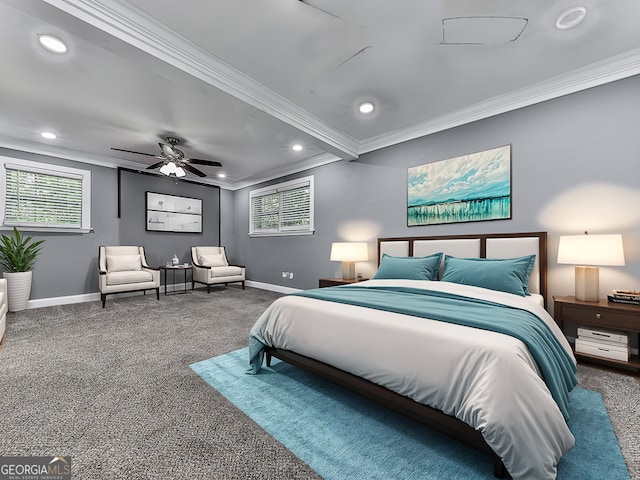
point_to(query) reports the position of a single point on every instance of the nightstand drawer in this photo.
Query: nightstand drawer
(600, 317)
(605, 350)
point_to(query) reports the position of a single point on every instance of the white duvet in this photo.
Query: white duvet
(488, 380)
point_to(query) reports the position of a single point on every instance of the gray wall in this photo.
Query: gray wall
(160, 247)
(575, 167)
(227, 221)
(68, 263)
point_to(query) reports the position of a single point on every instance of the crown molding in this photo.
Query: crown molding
(111, 162)
(66, 154)
(615, 68)
(138, 29)
(317, 161)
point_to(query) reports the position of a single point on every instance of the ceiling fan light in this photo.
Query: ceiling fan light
(180, 172)
(165, 170)
(172, 167)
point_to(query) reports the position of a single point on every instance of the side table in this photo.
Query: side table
(603, 314)
(175, 268)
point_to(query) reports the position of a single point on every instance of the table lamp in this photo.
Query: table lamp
(348, 253)
(587, 251)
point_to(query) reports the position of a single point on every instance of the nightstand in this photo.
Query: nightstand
(603, 314)
(334, 282)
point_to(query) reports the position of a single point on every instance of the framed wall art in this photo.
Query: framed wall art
(470, 188)
(170, 213)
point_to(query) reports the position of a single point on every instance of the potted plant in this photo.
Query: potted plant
(17, 256)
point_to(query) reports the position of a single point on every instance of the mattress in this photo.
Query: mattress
(488, 380)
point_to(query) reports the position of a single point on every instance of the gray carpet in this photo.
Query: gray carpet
(113, 389)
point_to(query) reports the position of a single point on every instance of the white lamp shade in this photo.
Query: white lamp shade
(349, 252)
(591, 250)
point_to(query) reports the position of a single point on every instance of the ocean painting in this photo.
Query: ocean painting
(469, 188)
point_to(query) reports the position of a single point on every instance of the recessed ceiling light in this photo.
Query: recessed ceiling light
(53, 44)
(297, 147)
(366, 108)
(48, 135)
(222, 175)
(570, 18)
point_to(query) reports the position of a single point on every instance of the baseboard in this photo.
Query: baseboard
(95, 297)
(271, 287)
(87, 297)
(53, 301)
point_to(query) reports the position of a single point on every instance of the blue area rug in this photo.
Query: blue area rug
(340, 435)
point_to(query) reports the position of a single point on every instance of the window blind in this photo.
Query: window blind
(286, 208)
(42, 199)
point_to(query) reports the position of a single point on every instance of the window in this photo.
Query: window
(39, 197)
(282, 209)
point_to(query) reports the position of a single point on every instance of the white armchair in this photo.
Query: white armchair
(125, 269)
(4, 306)
(211, 267)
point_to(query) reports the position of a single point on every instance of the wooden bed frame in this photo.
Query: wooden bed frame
(424, 414)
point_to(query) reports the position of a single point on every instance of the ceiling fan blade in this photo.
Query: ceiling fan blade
(210, 163)
(193, 170)
(156, 165)
(131, 151)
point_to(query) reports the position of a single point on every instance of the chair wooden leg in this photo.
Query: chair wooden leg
(158, 293)
(208, 288)
(243, 284)
(103, 297)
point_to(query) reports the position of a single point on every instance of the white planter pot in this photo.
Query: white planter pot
(18, 289)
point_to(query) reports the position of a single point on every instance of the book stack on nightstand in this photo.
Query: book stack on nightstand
(603, 343)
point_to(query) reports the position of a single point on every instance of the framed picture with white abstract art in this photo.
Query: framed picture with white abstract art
(171, 213)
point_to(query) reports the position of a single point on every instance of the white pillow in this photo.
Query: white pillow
(123, 263)
(213, 260)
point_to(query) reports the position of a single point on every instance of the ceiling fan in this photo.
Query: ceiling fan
(173, 162)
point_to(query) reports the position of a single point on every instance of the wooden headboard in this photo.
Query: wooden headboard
(483, 245)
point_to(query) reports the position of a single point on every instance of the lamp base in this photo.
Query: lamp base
(348, 270)
(587, 284)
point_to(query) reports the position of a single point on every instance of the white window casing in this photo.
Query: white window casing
(44, 197)
(282, 209)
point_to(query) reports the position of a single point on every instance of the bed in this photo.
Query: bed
(472, 354)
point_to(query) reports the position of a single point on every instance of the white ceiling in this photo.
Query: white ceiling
(241, 81)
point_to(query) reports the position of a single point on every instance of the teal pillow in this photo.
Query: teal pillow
(409, 268)
(509, 275)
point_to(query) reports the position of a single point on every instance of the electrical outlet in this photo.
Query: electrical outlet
(290, 275)
(285, 274)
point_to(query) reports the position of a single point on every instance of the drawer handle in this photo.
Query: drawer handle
(598, 334)
(598, 316)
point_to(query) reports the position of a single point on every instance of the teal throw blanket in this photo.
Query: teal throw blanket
(555, 364)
